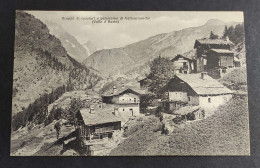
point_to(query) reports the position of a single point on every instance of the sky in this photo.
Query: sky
(124, 32)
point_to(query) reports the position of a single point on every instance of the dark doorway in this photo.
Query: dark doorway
(132, 112)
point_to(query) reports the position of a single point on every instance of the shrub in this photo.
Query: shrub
(158, 128)
(160, 115)
(236, 78)
(178, 120)
(31, 125)
(55, 114)
(145, 101)
(140, 119)
(190, 116)
(165, 130)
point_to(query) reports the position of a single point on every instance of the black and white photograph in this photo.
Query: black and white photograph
(129, 83)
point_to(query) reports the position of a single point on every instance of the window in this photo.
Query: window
(209, 100)
(188, 98)
(185, 72)
(180, 71)
(123, 109)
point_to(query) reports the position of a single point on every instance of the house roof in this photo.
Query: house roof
(178, 56)
(212, 41)
(100, 116)
(121, 90)
(141, 79)
(222, 51)
(186, 110)
(190, 54)
(206, 86)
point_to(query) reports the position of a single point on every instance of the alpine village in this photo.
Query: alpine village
(168, 100)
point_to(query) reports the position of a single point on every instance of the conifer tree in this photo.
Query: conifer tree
(75, 106)
(162, 71)
(213, 36)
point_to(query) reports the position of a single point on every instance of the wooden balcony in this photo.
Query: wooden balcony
(104, 130)
(185, 67)
(129, 102)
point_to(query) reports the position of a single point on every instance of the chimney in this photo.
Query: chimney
(203, 74)
(226, 38)
(114, 89)
(92, 110)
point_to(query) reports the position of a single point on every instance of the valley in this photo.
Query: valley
(178, 93)
(131, 57)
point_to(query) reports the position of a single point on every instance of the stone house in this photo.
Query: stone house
(195, 90)
(126, 102)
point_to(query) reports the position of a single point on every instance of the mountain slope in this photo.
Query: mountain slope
(41, 64)
(90, 47)
(69, 42)
(124, 59)
(219, 134)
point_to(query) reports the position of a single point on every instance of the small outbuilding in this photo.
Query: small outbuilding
(183, 64)
(189, 112)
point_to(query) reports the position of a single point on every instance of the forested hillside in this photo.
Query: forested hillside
(42, 65)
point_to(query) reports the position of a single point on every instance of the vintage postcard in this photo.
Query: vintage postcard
(129, 83)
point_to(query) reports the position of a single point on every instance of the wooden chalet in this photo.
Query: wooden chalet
(183, 64)
(213, 53)
(97, 123)
(143, 82)
(222, 58)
